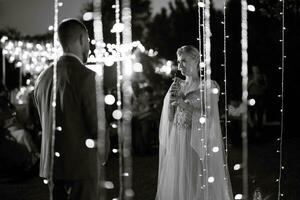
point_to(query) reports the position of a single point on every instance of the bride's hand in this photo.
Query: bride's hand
(174, 92)
(180, 102)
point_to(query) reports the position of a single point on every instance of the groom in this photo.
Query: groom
(75, 172)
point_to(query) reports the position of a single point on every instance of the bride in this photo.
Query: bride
(191, 154)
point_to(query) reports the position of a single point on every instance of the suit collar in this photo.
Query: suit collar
(72, 55)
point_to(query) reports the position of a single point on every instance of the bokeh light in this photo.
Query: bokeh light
(109, 99)
(90, 143)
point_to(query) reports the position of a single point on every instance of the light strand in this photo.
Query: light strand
(207, 85)
(35, 57)
(201, 6)
(54, 94)
(32, 57)
(282, 99)
(101, 134)
(204, 35)
(201, 57)
(225, 87)
(244, 72)
(127, 96)
(201, 33)
(119, 104)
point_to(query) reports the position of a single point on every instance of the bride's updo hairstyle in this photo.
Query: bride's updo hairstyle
(192, 52)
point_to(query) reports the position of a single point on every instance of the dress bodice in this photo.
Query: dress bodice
(183, 116)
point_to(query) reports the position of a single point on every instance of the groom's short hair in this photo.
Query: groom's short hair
(69, 30)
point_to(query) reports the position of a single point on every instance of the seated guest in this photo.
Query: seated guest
(18, 153)
(143, 121)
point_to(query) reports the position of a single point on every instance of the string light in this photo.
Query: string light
(251, 8)
(87, 16)
(207, 78)
(202, 120)
(215, 91)
(35, 57)
(111, 53)
(238, 197)
(137, 67)
(282, 68)
(215, 149)
(90, 143)
(54, 89)
(226, 121)
(50, 28)
(32, 57)
(205, 71)
(127, 96)
(117, 114)
(100, 99)
(165, 69)
(114, 125)
(115, 151)
(201, 6)
(200, 10)
(129, 193)
(237, 167)
(244, 73)
(206, 89)
(211, 179)
(109, 185)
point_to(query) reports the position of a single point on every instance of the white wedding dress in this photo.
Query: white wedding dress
(191, 157)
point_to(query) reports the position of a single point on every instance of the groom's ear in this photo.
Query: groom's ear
(81, 39)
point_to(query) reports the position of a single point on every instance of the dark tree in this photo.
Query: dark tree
(141, 14)
(264, 49)
(168, 31)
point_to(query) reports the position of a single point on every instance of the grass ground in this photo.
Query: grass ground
(263, 167)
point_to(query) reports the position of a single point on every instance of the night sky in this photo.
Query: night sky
(34, 16)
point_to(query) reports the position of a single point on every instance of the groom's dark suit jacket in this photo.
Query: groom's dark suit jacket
(76, 119)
